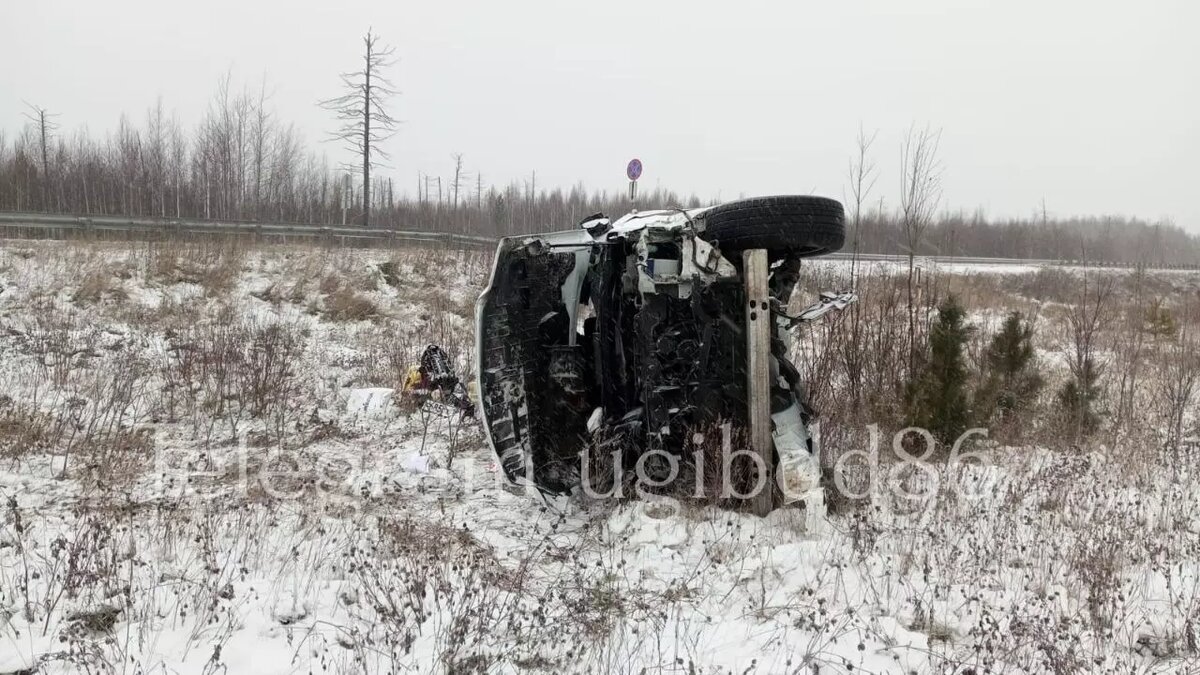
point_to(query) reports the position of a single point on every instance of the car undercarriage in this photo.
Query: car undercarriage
(617, 352)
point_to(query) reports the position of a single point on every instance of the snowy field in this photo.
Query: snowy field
(206, 467)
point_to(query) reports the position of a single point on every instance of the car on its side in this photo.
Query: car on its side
(622, 338)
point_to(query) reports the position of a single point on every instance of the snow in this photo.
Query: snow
(378, 538)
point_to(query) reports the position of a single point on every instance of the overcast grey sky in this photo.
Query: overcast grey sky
(1092, 105)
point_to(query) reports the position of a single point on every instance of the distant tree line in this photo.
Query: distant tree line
(1090, 238)
(243, 162)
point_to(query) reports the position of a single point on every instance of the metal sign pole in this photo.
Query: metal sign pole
(633, 171)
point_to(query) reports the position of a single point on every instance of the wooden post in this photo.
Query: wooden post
(758, 371)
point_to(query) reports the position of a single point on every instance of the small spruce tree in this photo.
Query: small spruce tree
(1160, 322)
(1077, 397)
(938, 396)
(1012, 381)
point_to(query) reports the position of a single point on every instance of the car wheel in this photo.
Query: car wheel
(787, 226)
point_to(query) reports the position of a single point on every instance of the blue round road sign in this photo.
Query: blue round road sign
(634, 170)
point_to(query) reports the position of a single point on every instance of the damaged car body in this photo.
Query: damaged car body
(622, 338)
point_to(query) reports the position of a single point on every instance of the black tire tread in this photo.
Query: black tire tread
(787, 225)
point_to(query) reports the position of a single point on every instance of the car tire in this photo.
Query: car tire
(787, 226)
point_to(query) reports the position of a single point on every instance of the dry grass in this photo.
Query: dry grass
(102, 387)
(214, 265)
(24, 430)
(346, 304)
(99, 285)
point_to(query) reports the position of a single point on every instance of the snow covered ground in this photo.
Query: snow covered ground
(205, 467)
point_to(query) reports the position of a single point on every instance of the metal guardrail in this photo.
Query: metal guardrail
(55, 226)
(58, 226)
(926, 260)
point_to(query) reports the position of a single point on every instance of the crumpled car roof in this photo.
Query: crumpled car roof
(664, 218)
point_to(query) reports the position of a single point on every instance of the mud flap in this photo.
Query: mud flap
(525, 323)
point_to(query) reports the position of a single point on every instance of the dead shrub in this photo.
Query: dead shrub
(230, 371)
(215, 266)
(391, 273)
(96, 286)
(388, 353)
(280, 291)
(981, 291)
(24, 430)
(345, 304)
(368, 282)
(60, 342)
(101, 415)
(330, 284)
(93, 621)
(298, 292)
(119, 458)
(269, 372)
(440, 586)
(328, 430)
(272, 294)
(164, 264)
(854, 366)
(1047, 284)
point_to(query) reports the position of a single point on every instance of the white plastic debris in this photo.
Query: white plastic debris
(369, 401)
(417, 464)
(594, 420)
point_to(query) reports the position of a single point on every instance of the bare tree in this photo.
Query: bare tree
(129, 158)
(224, 152)
(1129, 345)
(260, 130)
(458, 176)
(920, 193)
(862, 177)
(365, 121)
(155, 156)
(43, 120)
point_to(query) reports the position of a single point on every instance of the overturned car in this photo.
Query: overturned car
(630, 338)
